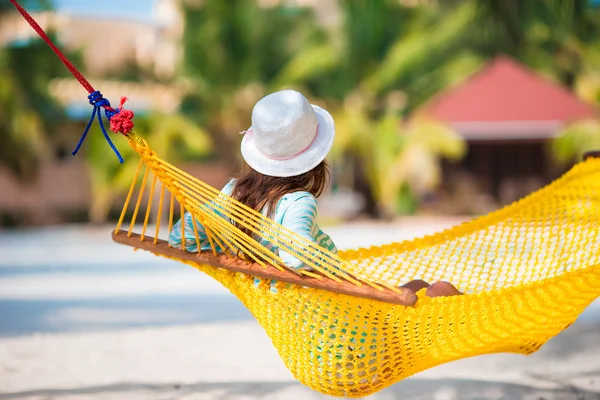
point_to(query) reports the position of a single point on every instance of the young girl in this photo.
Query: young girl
(285, 150)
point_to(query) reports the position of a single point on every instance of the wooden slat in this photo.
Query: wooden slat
(407, 297)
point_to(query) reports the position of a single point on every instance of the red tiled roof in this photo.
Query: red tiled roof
(506, 99)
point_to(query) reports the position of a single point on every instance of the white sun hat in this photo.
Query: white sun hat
(288, 136)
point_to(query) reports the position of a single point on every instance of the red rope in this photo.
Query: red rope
(120, 119)
(60, 55)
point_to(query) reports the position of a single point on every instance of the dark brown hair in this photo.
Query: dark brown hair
(257, 190)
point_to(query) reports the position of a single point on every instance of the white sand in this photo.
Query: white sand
(205, 360)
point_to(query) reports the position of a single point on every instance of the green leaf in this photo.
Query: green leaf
(576, 139)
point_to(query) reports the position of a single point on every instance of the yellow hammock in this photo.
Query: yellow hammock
(528, 270)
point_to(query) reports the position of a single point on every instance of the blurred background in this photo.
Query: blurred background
(444, 110)
(442, 107)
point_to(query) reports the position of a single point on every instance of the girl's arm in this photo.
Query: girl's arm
(300, 218)
(175, 237)
(189, 237)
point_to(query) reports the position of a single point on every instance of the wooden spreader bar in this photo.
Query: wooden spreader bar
(406, 297)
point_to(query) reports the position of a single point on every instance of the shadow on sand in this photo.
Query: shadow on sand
(415, 389)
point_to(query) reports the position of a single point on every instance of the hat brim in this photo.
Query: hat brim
(301, 163)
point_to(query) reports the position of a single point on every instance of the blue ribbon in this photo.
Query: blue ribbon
(96, 100)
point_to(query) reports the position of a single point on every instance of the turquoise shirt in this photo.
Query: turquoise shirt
(296, 211)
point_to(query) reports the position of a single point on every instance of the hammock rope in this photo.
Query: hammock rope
(528, 271)
(216, 211)
(120, 119)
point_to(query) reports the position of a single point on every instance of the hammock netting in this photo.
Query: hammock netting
(528, 271)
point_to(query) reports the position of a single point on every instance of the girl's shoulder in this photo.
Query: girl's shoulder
(296, 209)
(228, 188)
(300, 202)
(299, 196)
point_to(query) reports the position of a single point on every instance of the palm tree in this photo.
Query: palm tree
(560, 39)
(27, 112)
(234, 52)
(22, 137)
(373, 70)
(400, 160)
(390, 62)
(575, 140)
(443, 45)
(550, 36)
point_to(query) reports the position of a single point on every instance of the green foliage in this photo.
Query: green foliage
(22, 138)
(575, 140)
(108, 178)
(413, 54)
(31, 5)
(436, 47)
(381, 63)
(409, 159)
(173, 136)
(29, 116)
(236, 51)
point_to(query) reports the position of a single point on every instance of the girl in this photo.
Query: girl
(285, 150)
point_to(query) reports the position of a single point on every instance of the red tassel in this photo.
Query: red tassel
(121, 122)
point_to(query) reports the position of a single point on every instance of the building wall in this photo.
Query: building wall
(140, 96)
(60, 186)
(63, 189)
(107, 44)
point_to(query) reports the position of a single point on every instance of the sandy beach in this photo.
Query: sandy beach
(236, 361)
(98, 324)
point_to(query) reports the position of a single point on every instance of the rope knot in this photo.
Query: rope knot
(120, 120)
(97, 100)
